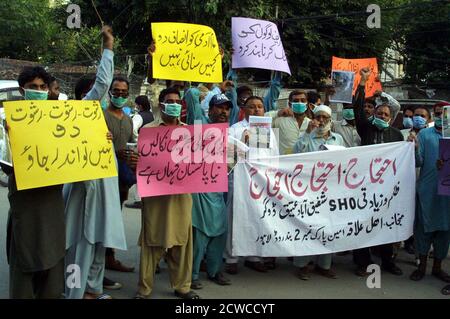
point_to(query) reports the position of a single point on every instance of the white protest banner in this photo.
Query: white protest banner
(257, 44)
(324, 202)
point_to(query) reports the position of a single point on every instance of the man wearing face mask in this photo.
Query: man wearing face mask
(167, 222)
(290, 128)
(318, 133)
(121, 127)
(432, 223)
(408, 118)
(313, 100)
(346, 128)
(374, 131)
(36, 229)
(421, 118)
(418, 118)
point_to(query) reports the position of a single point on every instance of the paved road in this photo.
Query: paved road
(280, 283)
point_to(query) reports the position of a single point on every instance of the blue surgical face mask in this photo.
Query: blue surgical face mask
(118, 102)
(438, 122)
(298, 107)
(348, 114)
(35, 94)
(407, 122)
(380, 124)
(419, 122)
(172, 109)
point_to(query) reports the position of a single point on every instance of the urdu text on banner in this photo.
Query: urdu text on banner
(324, 202)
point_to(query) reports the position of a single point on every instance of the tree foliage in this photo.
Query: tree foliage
(312, 31)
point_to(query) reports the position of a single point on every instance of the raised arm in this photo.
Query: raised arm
(361, 121)
(105, 72)
(270, 100)
(194, 110)
(232, 96)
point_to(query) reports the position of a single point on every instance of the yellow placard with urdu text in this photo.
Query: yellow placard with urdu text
(186, 52)
(58, 142)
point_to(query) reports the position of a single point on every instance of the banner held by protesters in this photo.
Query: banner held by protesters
(321, 203)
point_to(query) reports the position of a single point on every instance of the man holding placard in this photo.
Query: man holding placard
(432, 223)
(167, 223)
(36, 229)
(209, 216)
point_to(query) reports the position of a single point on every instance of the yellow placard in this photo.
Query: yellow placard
(186, 52)
(58, 142)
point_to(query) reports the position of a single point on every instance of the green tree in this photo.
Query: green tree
(26, 29)
(423, 38)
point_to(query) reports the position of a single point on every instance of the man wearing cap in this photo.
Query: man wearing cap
(318, 133)
(167, 222)
(375, 130)
(209, 214)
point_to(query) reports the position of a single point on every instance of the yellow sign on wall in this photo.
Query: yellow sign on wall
(58, 142)
(186, 52)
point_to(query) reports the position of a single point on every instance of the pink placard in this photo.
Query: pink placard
(182, 160)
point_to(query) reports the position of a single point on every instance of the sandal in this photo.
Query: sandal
(303, 273)
(220, 279)
(188, 295)
(442, 275)
(196, 284)
(139, 296)
(446, 290)
(255, 265)
(328, 273)
(417, 275)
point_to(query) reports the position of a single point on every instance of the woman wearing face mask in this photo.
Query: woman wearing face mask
(374, 131)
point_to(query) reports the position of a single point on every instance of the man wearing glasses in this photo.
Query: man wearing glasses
(121, 127)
